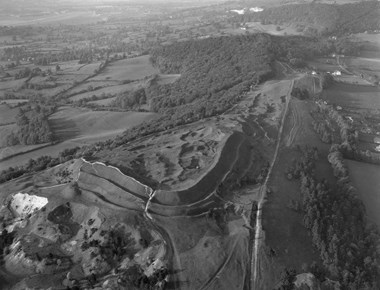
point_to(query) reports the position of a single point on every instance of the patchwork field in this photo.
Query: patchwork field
(50, 82)
(366, 178)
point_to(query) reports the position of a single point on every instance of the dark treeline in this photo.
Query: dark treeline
(32, 126)
(336, 219)
(329, 18)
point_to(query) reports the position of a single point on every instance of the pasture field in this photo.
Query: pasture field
(128, 69)
(370, 44)
(370, 66)
(358, 97)
(368, 37)
(78, 127)
(83, 124)
(366, 178)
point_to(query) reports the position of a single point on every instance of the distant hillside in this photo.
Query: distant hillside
(320, 18)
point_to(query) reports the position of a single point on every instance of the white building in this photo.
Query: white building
(337, 73)
(240, 12)
(256, 9)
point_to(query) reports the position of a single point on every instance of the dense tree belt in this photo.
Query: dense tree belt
(335, 217)
(32, 126)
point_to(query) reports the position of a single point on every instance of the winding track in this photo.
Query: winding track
(296, 125)
(262, 195)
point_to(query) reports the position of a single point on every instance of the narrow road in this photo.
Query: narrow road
(262, 195)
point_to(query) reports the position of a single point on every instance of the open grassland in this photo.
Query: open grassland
(366, 178)
(128, 69)
(353, 96)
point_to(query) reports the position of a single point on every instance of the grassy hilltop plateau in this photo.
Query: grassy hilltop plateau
(192, 145)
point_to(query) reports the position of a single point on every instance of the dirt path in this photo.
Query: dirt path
(262, 194)
(221, 268)
(296, 124)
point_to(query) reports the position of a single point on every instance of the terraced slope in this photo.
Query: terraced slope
(98, 181)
